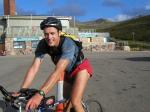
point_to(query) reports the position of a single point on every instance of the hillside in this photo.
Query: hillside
(96, 24)
(137, 29)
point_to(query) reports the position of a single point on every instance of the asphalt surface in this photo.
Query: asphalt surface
(121, 80)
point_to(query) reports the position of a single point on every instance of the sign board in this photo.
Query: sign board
(92, 35)
(85, 35)
(26, 38)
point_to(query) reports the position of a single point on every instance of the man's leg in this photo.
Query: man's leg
(79, 85)
(67, 94)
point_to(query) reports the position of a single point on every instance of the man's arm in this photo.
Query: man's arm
(31, 72)
(55, 75)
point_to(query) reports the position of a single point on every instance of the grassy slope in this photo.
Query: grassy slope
(121, 30)
(124, 31)
(96, 24)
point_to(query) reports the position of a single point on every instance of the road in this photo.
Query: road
(121, 80)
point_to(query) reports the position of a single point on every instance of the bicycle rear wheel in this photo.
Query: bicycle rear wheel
(93, 106)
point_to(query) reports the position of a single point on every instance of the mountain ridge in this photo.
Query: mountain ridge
(139, 27)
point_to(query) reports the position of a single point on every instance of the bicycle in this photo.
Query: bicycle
(20, 101)
(57, 105)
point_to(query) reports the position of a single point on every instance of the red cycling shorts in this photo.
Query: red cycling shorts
(85, 65)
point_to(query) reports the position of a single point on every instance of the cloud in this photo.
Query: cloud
(71, 9)
(147, 7)
(131, 13)
(142, 11)
(20, 11)
(112, 3)
(121, 17)
(50, 1)
(1, 2)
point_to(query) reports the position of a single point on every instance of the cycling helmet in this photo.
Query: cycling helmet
(51, 22)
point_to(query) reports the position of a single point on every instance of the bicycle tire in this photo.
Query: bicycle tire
(93, 105)
(85, 107)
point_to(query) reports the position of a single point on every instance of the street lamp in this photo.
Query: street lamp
(133, 34)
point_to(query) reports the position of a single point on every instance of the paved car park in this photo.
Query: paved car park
(121, 80)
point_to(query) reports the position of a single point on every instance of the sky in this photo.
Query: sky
(83, 10)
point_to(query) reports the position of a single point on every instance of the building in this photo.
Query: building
(95, 41)
(21, 34)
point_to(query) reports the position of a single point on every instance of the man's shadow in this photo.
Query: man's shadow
(5, 107)
(146, 59)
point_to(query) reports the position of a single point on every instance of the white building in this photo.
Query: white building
(20, 34)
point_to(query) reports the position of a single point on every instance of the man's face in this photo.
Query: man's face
(52, 36)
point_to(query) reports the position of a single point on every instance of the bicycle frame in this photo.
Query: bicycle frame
(20, 102)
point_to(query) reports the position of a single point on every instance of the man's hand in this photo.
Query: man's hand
(34, 102)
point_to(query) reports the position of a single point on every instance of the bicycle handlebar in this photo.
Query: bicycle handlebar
(25, 95)
(5, 93)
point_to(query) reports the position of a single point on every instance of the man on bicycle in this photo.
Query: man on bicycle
(68, 59)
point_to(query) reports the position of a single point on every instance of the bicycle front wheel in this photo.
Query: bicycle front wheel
(85, 107)
(93, 106)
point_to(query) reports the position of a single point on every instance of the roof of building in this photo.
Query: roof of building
(34, 17)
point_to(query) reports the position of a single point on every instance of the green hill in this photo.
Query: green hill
(95, 24)
(137, 29)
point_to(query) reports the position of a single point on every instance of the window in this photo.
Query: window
(34, 43)
(19, 44)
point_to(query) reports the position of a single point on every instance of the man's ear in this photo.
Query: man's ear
(59, 33)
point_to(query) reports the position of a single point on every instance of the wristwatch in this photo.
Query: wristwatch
(41, 92)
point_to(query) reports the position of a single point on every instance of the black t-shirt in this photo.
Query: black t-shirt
(67, 49)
